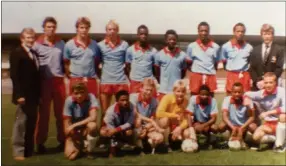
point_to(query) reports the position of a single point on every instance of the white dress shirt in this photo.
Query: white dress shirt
(31, 55)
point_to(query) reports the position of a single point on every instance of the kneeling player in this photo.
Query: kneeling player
(237, 117)
(146, 106)
(203, 109)
(80, 112)
(118, 122)
(171, 111)
(271, 104)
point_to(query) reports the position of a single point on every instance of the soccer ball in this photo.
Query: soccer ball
(234, 145)
(189, 145)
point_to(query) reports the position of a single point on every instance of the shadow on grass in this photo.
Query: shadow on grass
(50, 151)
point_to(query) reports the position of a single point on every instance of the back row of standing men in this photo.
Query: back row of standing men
(116, 64)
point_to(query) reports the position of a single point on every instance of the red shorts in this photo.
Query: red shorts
(232, 77)
(196, 80)
(135, 87)
(111, 89)
(160, 96)
(91, 84)
(272, 125)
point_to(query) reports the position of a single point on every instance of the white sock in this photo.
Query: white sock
(280, 134)
(192, 133)
(151, 142)
(91, 143)
(268, 139)
(166, 136)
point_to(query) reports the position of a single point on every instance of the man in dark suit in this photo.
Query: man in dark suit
(266, 57)
(24, 72)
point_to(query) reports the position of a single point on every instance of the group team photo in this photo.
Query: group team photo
(113, 96)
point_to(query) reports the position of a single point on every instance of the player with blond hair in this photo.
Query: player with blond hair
(145, 106)
(171, 113)
(271, 106)
(113, 77)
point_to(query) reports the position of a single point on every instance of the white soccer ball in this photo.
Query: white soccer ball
(234, 145)
(189, 145)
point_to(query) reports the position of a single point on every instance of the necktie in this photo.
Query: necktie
(34, 57)
(265, 53)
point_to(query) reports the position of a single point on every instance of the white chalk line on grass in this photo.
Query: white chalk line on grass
(5, 138)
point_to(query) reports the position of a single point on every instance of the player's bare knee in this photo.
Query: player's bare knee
(141, 136)
(103, 132)
(257, 135)
(282, 118)
(222, 127)
(186, 133)
(128, 132)
(138, 123)
(91, 126)
(206, 129)
(214, 128)
(252, 127)
(159, 138)
(164, 122)
(198, 130)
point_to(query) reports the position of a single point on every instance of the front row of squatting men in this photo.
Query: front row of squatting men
(48, 60)
(133, 118)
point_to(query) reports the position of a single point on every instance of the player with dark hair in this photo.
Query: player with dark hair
(238, 118)
(170, 64)
(140, 60)
(204, 56)
(118, 122)
(203, 111)
(50, 48)
(235, 56)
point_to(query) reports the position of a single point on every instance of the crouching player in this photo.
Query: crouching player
(237, 117)
(271, 103)
(118, 122)
(80, 111)
(145, 106)
(203, 111)
(171, 114)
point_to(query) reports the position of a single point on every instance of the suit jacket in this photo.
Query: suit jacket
(273, 62)
(25, 76)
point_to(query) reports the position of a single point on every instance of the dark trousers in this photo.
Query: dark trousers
(23, 130)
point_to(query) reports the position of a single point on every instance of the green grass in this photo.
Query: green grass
(209, 157)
